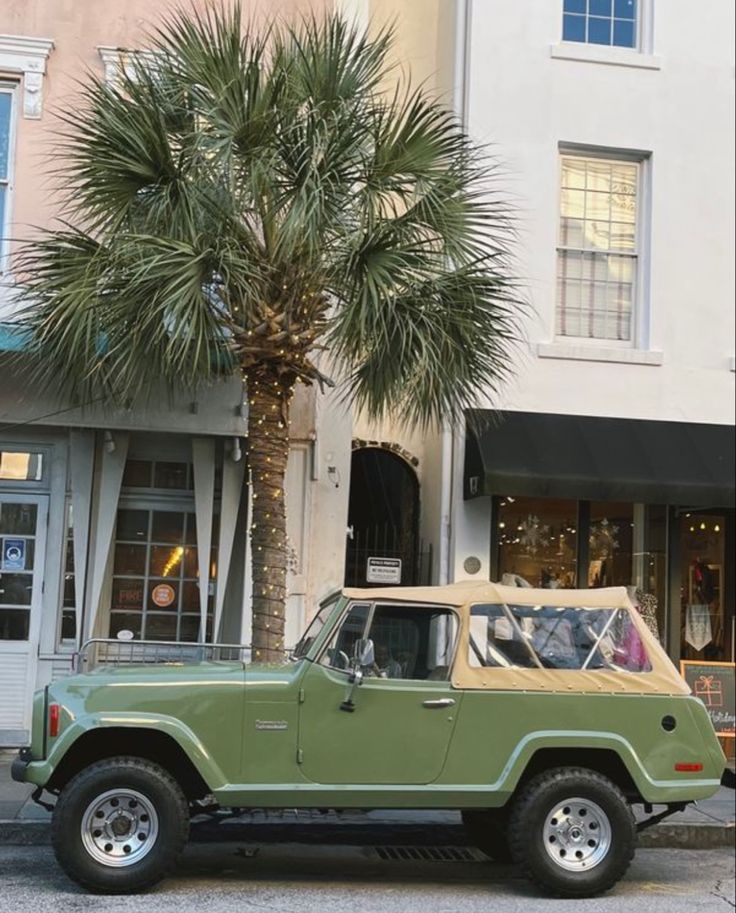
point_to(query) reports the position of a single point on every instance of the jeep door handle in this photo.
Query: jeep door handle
(439, 704)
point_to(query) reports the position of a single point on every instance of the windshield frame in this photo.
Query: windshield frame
(325, 611)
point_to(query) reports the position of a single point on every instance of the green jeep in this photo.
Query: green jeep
(542, 715)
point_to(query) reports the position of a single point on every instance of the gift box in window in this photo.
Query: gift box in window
(709, 689)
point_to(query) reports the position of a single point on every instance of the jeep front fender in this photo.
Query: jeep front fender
(40, 772)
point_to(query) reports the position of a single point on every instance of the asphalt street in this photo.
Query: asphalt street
(290, 878)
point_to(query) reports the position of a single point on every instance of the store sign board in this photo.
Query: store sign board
(163, 595)
(713, 683)
(383, 570)
(14, 555)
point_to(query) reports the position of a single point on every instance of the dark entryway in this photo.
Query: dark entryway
(383, 521)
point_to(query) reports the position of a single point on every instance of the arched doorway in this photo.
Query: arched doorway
(383, 520)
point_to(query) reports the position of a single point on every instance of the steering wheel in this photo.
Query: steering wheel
(343, 659)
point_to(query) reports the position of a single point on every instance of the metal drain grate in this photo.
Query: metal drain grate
(426, 854)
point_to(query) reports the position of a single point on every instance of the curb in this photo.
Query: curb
(661, 836)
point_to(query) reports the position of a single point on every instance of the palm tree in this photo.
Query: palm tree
(254, 202)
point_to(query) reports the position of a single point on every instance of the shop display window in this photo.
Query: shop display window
(705, 629)
(610, 544)
(537, 541)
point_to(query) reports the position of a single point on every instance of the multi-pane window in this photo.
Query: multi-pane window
(155, 584)
(18, 551)
(607, 22)
(155, 577)
(6, 123)
(597, 256)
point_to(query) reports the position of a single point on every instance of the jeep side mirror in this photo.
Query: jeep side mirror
(364, 653)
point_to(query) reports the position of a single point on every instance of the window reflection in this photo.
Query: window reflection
(537, 541)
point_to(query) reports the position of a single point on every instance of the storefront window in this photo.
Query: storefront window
(69, 597)
(610, 540)
(155, 585)
(18, 552)
(650, 563)
(18, 466)
(704, 629)
(537, 541)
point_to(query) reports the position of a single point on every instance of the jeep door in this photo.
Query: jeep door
(404, 711)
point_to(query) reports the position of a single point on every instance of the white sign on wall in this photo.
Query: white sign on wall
(383, 570)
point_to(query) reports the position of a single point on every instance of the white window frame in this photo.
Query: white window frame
(642, 29)
(10, 88)
(641, 56)
(641, 300)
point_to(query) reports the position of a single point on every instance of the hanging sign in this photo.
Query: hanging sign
(163, 595)
(383, 570)
(713, 683)
(14, 555)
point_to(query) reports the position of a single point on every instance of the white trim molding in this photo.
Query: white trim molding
(612, 56)
(27, 56)
(118, 61)
(586, 352)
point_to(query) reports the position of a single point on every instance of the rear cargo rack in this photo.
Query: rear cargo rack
(100, 651)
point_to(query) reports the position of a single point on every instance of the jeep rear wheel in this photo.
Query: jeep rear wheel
(487, 829)
(572, 832)
(120, 825)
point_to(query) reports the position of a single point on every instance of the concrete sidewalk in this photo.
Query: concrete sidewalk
(710, 823)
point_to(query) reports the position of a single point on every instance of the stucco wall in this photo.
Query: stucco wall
(77, 28)
(680, 110)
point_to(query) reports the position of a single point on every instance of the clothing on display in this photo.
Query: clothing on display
(646, 605)
(698, 630)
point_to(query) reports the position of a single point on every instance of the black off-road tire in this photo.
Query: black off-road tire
(149, 780)
(487, 829)
(526, 832)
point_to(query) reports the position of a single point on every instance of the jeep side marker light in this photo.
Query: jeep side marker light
(682, 767)
(54, 720)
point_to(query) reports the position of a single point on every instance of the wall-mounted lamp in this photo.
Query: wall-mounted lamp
(109, 442)
(237, 453)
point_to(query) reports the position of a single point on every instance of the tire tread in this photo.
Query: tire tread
(518, 832)
(63, 824)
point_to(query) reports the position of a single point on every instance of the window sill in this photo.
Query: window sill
(584, 352)
(615, 57)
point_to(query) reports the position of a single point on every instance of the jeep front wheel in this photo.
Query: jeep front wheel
(120, 825)
(572, 832)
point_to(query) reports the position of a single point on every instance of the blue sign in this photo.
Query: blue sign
(14, 555)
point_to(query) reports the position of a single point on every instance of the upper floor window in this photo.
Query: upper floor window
(598, 251)
(6, 148)
(607, 22)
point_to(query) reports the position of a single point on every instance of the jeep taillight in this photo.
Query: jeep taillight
(54, 714)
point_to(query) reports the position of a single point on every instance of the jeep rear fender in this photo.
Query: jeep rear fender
(576, 743)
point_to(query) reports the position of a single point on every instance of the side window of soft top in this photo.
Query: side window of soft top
(410, 642)
(555, 637)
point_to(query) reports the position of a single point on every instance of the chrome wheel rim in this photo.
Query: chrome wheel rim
(577, 834)
(119, 827)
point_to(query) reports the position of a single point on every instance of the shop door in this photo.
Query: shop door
(23, 547)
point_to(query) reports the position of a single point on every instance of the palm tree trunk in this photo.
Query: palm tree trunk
(268, 452)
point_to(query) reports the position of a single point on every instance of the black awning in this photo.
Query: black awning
(600, 459)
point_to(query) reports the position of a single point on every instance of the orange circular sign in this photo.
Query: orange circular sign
(163, 595)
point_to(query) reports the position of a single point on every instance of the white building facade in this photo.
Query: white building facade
(614, 123)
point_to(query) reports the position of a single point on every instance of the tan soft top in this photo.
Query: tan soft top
(662, 679)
